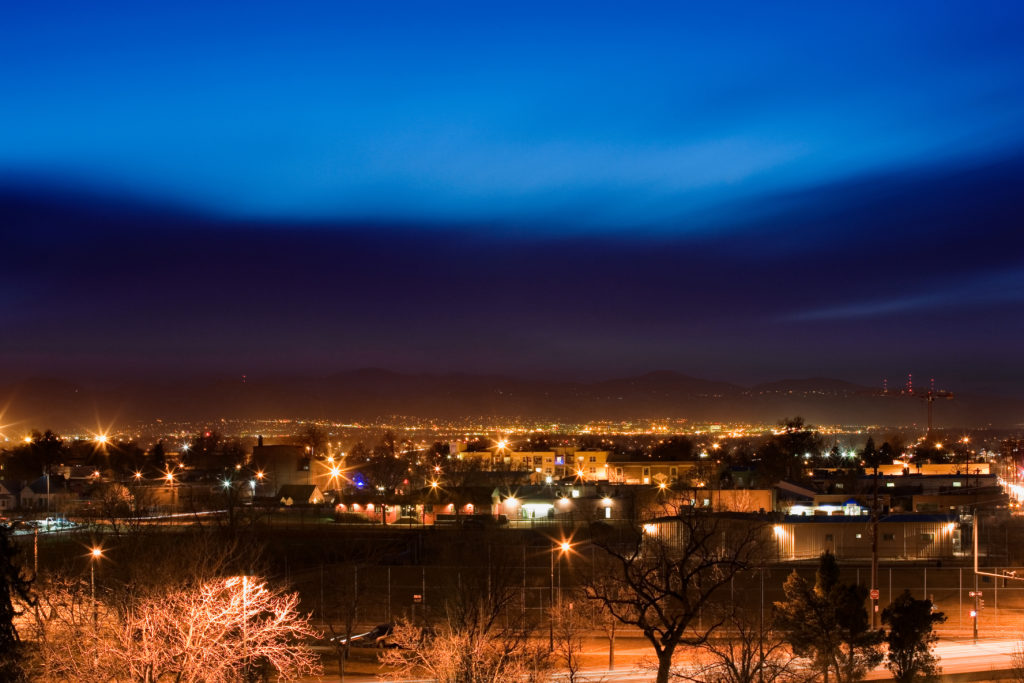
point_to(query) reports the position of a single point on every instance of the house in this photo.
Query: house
(300, 494)
(9, 495)
(45, 493)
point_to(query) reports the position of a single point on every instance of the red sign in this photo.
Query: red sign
(874, 593)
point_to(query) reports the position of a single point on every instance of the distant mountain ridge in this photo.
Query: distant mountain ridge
(370, 393)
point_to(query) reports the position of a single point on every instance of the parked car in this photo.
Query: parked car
(375, 637)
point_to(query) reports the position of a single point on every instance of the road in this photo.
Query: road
(956, 656)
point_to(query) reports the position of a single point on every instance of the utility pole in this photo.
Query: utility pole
(869, 452)
(551, 603)
(760, 633)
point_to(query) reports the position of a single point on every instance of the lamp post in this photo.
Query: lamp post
(551, 604)
(562, 548)
(94, 555)
(169, 476)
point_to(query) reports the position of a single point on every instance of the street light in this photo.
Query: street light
(94, 556)
(562, 547)
(169, 476)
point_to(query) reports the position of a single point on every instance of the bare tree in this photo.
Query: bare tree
(1017, 663)
(573, 621)
(661, 578)
(114, 502)
(314, 439)
(448, 655)
(477, 632)
(222, 631)
(71, 635)
(748, 652)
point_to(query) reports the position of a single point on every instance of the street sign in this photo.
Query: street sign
(874, 593)
(975, 594)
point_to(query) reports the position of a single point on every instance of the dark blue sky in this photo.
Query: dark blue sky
(741, 190)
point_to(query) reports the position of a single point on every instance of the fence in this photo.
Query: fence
(381, 594)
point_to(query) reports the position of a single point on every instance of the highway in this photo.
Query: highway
(956, 657)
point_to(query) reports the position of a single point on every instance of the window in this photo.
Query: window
(647, 471)
(890, 484)
(927, 538)
(547, 470)
(618, 471)
(593, 458)
(859, 536)
(828, 538)
(956, 484)
(673, 471)
(839, 485)
(593, 470)
(538, 460)
(888, 537)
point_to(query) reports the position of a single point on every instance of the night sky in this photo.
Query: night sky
(739, 191)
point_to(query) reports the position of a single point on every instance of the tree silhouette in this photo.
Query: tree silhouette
(661, 582)
(828, 624)
(910, 638)
(14, 587)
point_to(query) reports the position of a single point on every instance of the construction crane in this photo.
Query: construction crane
(929, 396)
